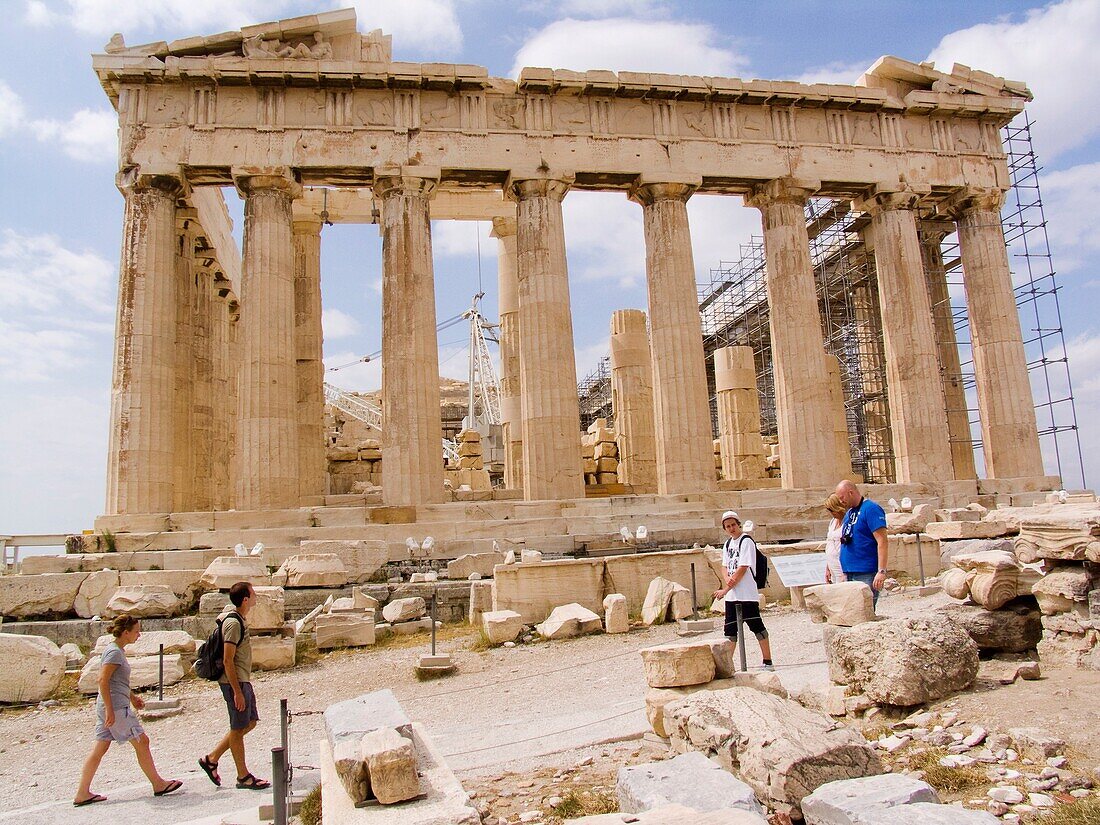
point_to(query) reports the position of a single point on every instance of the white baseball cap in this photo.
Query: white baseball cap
(729, 514)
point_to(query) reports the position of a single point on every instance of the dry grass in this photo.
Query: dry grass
(310, 812)
(480, 642)
(948, 780)
(447, 633)
(1079, 812)
(66, 692)
(578, 803)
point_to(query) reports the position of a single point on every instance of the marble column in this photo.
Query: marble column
(183, 395)
(744, 456)
(1010, 439)
(224, 405)
(922, 450)
(632, 400)
(504, 230)
(412, 453)
(202, 386)
(309, 365)
(267, 419)
(932, 234)
(547, 363)
(804, 418)
(140, 453)
(685, 442)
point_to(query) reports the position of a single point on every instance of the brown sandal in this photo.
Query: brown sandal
(251, 783)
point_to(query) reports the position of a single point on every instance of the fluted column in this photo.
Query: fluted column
(744, 456)
(309, 366)
(932, 234)
(202, 386)
(183, 396)
(1010, 438)
(632, 400)
(267, 420)
(804, 419)
(685, 443)
(922, 451)
(504, 230)
(547, 363)
(140, 454)
(412, 455)
(224, 405)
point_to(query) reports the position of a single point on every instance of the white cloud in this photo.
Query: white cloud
(11, 110)
(193, 16)
(588, 357)
(1053, 49)
(838, 72)
(1083, 353)
(39, 275)
(635, 45)
(338, 324)
(459, 238)
(603, 8)
(604, 239)
(89, 136)
(1069, 197)
(428, 24)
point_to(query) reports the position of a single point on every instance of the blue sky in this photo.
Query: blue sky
(60, 214)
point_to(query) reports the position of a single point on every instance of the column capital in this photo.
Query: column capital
(782, 190)
(538, 184)
(411, 180)
(503, 227)
(884, 197)
(648, 189)
(971, 199)
(307, 226)
(168, 180)
(934, 231)
(252, 179)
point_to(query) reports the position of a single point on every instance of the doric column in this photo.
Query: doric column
(184, 352)
(1010, 439)
(807, 449)
(224, 382)
(743, 452)
(922, 451)
(309, 366)
(632, 400)
(932, 234)
(504, 230)
(202, 380)
(412, 453)
(140, 455)
(267, 419)
(547, 363)
(685, 443)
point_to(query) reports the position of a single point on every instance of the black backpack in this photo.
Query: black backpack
(208, 658)
(760, 574)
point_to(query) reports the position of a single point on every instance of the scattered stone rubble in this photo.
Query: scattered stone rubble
(600, 454)
(469, 473)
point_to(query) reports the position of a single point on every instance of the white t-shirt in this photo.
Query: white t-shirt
(741, 552)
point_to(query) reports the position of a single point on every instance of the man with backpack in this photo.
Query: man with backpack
(740, 559)
(236, 685)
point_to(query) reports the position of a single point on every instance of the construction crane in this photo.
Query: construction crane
(362, 410)
(483, 406)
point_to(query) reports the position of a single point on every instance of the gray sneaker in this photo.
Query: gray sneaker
(767, 667)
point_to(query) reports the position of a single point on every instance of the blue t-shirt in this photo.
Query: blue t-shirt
(860, 555)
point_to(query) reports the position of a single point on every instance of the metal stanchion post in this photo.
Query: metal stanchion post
(694, 595)
(741, 637)
(920, 560)
(278, 782)
(160, 675)
(433, 624)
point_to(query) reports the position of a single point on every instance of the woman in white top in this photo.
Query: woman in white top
(833, 571)
(739, 560)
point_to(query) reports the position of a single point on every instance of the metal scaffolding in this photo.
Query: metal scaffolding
(594, 391)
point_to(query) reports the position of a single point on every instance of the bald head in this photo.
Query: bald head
(848, 493)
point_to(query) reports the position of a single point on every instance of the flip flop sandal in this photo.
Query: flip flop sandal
(210, 768)
(172, 786)
(91, 800)
(251, 783)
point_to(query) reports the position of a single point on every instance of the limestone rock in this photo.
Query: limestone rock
(845, 604)
(951, 530)
(273, 652)
(362, 558)
(1077, 650)
(39, 596)
(823, 697)
(149, 642)
(74, 657)
(904, 661)
(391, 766)
(1036, 741)
(928, 813)
(1072, 537)
(268, 609)
(657, 699)
(32, 667)
(225, 571)
(144, 672)
(404, 610)
(1014, 628)
(781, 749)
(689, 779)
(1061, 588)
(950, 549)
(481, 600)
(956, 582)
(143, 601)
(502, 625)
(312, 570)
(768, 682)
(343, 630)
(95, 592)
(480, 563)
(350, 719)
(657, 600)
(530, 556)
(850, 801)
(616, 615)
(912, 522)
(680, 606)
(678, 664)
(569, 620)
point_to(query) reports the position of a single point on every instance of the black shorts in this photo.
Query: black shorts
(750, 615)
(241, 719)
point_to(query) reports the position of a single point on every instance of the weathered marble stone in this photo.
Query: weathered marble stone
(657, 600)
(312, 570)
(343, 630)
(502, 625)
(616, 616)
(225, 571)
(268, 609)
(404, 610)
(851, 801)
(1012, 629)
(143, 601)
(273, 652)
(32, 668)
(40, 595)
(144, 672)
(953, 530)
(391, 766)
(844, 604)
(956, 582)
(1063, 587)
(678, 664)
(95, 592)
(1071, 537)
(569, 620)
(481, 600)
(911, 522)
(480, 563)
(74, 657)
(362, 558)
(688, 779)
(149, 642)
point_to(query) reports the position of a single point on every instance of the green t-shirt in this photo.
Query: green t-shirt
(234, 632)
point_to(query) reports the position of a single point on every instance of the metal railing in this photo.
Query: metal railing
(10, 546)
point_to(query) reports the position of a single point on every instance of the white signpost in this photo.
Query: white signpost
(803, 570)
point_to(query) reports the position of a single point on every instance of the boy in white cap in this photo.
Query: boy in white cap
(739, 561)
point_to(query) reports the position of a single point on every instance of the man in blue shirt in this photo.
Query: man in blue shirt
(863, 543)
